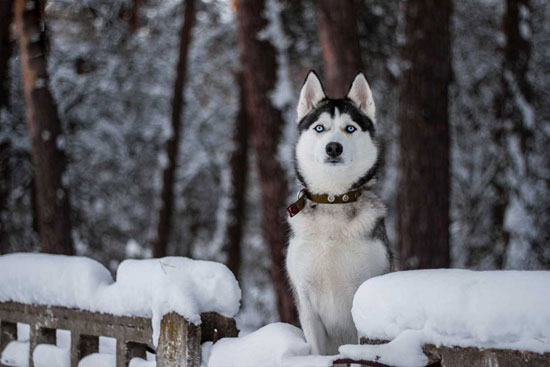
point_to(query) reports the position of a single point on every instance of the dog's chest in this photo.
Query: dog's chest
(332, 249)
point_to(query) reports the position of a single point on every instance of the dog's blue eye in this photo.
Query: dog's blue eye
(319, 128)
(350, 128)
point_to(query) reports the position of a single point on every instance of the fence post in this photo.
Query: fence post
(179, 342)
(39, 335)
(81, 346)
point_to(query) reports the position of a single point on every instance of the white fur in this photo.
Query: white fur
(312, 92)
(360, 153)
(361, 95)
(332, 252)
(328, 259)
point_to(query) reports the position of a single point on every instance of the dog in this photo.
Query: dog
(338, 237)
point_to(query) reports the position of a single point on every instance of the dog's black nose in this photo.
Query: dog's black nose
(334, 149)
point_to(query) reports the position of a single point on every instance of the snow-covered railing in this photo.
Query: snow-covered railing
(172, 304)
(179, 342)
(453, 318)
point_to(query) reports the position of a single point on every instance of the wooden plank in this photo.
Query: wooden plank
(137, 329)
(39, 335)
(442, 356)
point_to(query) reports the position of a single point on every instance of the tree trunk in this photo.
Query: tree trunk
(340, 42)
(172, 145)
(134, 16)
(4, 192)
(6, 17)
(510, 122)
(423, 217)
(239, 164)
(260, 75)
(44, 130)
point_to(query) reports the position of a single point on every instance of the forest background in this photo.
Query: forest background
(146, 128)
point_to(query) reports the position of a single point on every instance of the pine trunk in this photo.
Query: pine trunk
(260, 74)
(423, 218)
(5, 174)
(340, 42)
(44, 129)
(172, 145)
(6, 17)
(134, 16)
(239, 165)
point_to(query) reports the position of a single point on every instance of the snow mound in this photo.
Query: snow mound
(488, 309)
(146, 288)
(16, 353)
(46, 355)
(98, 360)
(266, 347)
(58, 280)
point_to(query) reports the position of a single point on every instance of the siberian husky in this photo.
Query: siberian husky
(338, 234)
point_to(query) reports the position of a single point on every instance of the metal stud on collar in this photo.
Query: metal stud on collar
(331, 198)
(345, 198)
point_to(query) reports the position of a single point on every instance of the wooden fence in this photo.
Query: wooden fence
(179, 343)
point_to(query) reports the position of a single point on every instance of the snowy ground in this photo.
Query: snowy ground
(493, 309)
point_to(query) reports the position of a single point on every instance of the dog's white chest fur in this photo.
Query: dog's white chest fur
(330, 255)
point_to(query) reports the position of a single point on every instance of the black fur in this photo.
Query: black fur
(379, 232)
(344, 105)
(298, 173)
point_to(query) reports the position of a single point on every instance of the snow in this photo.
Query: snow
(107, 345)
(52, 279)
(147, 288)
(491, 309)
(266, 347)
(309, 361)
(405, 351)
(526, 109)
(140, 362)
(282, 95)
(98, 360)
(16, 353)
(46, 355)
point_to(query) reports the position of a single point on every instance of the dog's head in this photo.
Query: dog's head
(336, 149)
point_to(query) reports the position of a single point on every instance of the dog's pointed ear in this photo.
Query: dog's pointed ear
(361, 95)
(312, 92)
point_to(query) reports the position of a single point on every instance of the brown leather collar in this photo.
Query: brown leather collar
(298, 205)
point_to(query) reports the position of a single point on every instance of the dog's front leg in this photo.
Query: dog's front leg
(313, 327)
